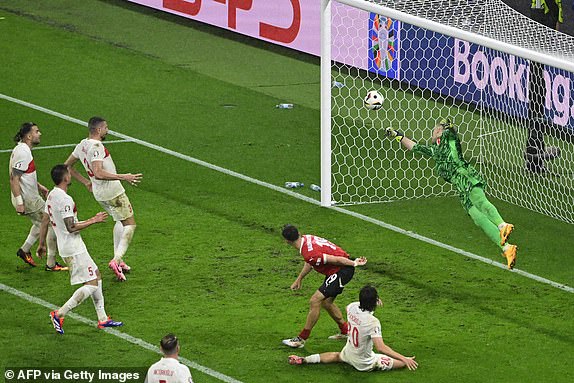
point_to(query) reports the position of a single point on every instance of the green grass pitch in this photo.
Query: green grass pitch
(209, 263)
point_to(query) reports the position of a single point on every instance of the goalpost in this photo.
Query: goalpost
(505, 81)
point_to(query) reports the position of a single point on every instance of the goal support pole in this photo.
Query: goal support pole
(325, 103)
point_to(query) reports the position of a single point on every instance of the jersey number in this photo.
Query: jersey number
(354, 335)
(88, 168)
(50, 214)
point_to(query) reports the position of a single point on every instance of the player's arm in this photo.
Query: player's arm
(304, 271)
(16, 190)
(41, 250)
(381, 347)
(101, 174)
(70, 162)
(73, 227)
(342, 261)
(400, 137)
(43, 190)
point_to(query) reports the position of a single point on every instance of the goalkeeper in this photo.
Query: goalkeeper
(453, 168)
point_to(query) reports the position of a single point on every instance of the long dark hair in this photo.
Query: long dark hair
(24, 129)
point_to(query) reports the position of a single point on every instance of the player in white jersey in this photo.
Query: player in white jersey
(364, 332)
(25, 192)
(105, 184)
(60, 213)
(168, 369)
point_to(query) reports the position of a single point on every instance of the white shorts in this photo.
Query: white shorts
(374, 362)
(82, 268)
(118, 208)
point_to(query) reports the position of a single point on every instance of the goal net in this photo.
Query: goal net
(505, 81)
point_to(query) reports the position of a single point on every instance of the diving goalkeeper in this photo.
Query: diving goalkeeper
(453, 168)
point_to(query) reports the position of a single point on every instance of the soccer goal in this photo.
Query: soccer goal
(506, 82)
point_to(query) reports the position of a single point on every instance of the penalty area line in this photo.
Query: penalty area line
(298, 196)
(122, 335)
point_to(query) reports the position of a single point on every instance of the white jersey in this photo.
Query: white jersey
(168, 370)
(363, 327)
(89, 151)
(22, 161)
(59, 205)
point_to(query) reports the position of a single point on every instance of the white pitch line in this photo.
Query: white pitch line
(279, 189)
(62, 146)
(127, 337)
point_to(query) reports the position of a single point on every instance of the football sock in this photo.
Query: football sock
(78, 297)
(126, 238)
(344, 328)
(490, 229)
(315, 358)
(304, 334)
(33, 236)
(478, 199)
(98, 299)
(52, 246)
(118, 230)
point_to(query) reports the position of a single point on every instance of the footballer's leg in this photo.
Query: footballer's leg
(24, 250)
(80, 295)
(326, 357)
(312, 318)
(335, 313)
(98, 298)
(478, 199)
(508, 250)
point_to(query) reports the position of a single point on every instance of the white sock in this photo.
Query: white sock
(502, 225)
(125, 240)
(33, 236)
(98, 299)
(78, 297)
(52, 246)
(315, 358)
(118, 230)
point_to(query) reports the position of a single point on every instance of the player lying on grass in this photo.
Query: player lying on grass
(333, 262)
(364, 332)
(60, 212)
(450, 164)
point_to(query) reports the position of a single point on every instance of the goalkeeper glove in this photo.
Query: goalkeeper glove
(393, 133)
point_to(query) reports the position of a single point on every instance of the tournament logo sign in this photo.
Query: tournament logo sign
(384, 46)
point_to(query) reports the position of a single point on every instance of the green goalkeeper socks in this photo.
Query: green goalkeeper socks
(482, 221)
(480, 201)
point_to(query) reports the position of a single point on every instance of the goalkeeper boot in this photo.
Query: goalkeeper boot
(57, 322)
(113, 265)
(296, 342)
(296, 360)
(505, 233)
(26, 257)
(109, 323)
(510, 255)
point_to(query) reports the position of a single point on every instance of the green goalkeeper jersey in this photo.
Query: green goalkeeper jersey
(451, 165)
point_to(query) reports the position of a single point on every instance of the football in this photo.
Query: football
(373, 100)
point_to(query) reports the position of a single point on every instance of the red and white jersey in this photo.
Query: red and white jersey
(168, 370)
(363, 327)
(314, 250)
(89, 151)
(59, 205)
(21, 160)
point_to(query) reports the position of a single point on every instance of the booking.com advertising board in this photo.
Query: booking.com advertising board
(400, 51)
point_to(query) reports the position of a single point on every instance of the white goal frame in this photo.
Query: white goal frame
(550, 59)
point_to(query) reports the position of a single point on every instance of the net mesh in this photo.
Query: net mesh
(515, 118)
